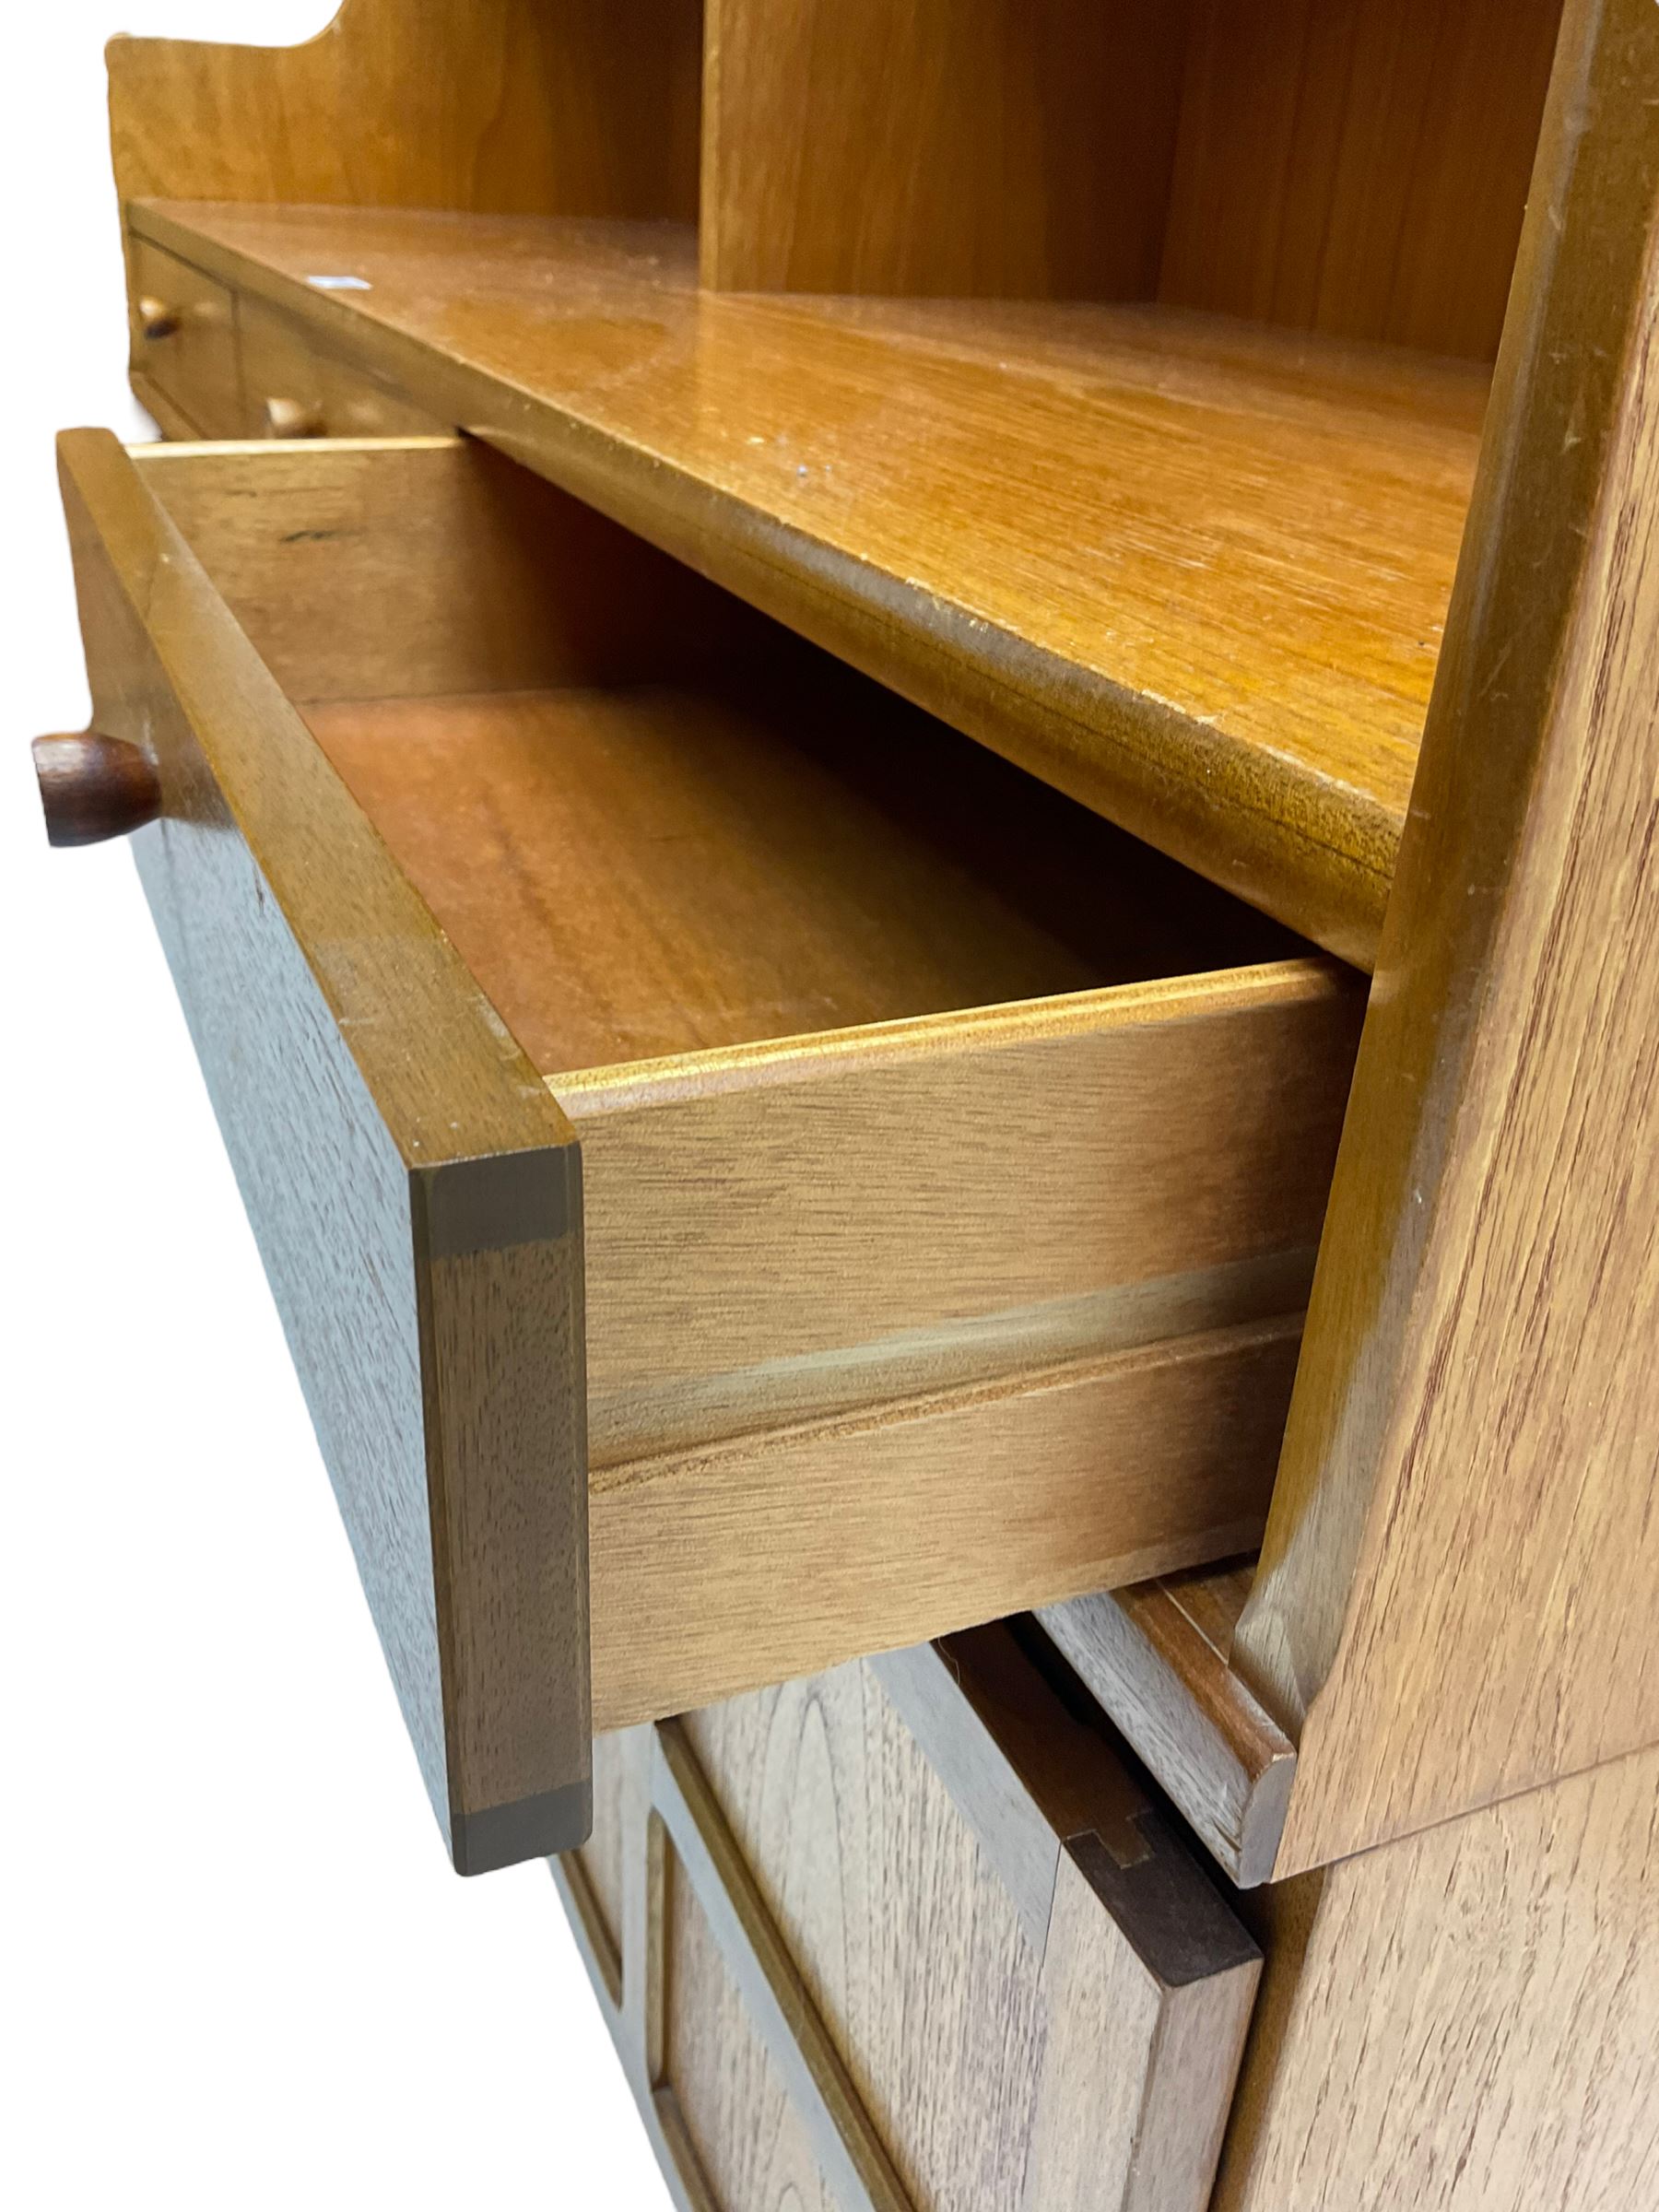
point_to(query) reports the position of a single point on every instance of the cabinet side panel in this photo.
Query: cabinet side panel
(1457, 1588)
(1474, 2025)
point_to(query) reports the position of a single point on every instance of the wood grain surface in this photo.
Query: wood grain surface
(1057, 2053)
(580, 107)
(1013, 1190)
(643, 870)
(410, 567)
(774, 1552)
(1069, 1233)
(1359, 167)
(1157, 1655)
(939, 147)
(750, 2150)
(808, 1874)
(1470, 2020)
(1458, 1585)
(846, 2143)
(409, 1182)
(1190, 570)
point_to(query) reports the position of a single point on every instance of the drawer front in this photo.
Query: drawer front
(184, 345)
(412, 1185)
(938, 1316)
(908, 1935)
(295, 390)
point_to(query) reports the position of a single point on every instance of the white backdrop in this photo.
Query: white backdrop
(237, 1972)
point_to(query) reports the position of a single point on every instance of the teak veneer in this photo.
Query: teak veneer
(1191, 570)
(778, 1891)
(756, 1180)
(890, 1121)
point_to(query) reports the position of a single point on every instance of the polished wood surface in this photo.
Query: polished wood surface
(1359, 167)
(1457, 1590)
(1191, 571)
(1157, 1655)
(572, 107)
(937, 146)
(94, 787)
(409, 1181)
(1467, 2020)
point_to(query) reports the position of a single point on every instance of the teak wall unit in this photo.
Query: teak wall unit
(787, 669)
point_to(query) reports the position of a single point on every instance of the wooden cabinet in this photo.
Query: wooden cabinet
(843, 637)
(910, 1937)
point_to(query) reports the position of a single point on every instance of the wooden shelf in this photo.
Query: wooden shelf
(1191, 570)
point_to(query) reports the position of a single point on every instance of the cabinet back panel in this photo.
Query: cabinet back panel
(1359, 167)
(991, 148)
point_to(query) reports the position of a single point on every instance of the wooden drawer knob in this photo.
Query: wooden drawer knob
(292, 418)
(94, 787)
(156, 320)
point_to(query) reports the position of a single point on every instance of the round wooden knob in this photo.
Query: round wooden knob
(156, 320)
(94, 787)
(293, 419)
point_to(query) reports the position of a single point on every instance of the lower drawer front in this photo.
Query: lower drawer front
(183, 339)
(909, 1935)
(295, 390)
(744, 1172)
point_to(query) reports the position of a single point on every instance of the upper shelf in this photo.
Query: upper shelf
(1192, 570)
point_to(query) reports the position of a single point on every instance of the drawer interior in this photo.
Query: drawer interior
(950, 1164)
(653, 821)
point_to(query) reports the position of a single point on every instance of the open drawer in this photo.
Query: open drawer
(748, 1178)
